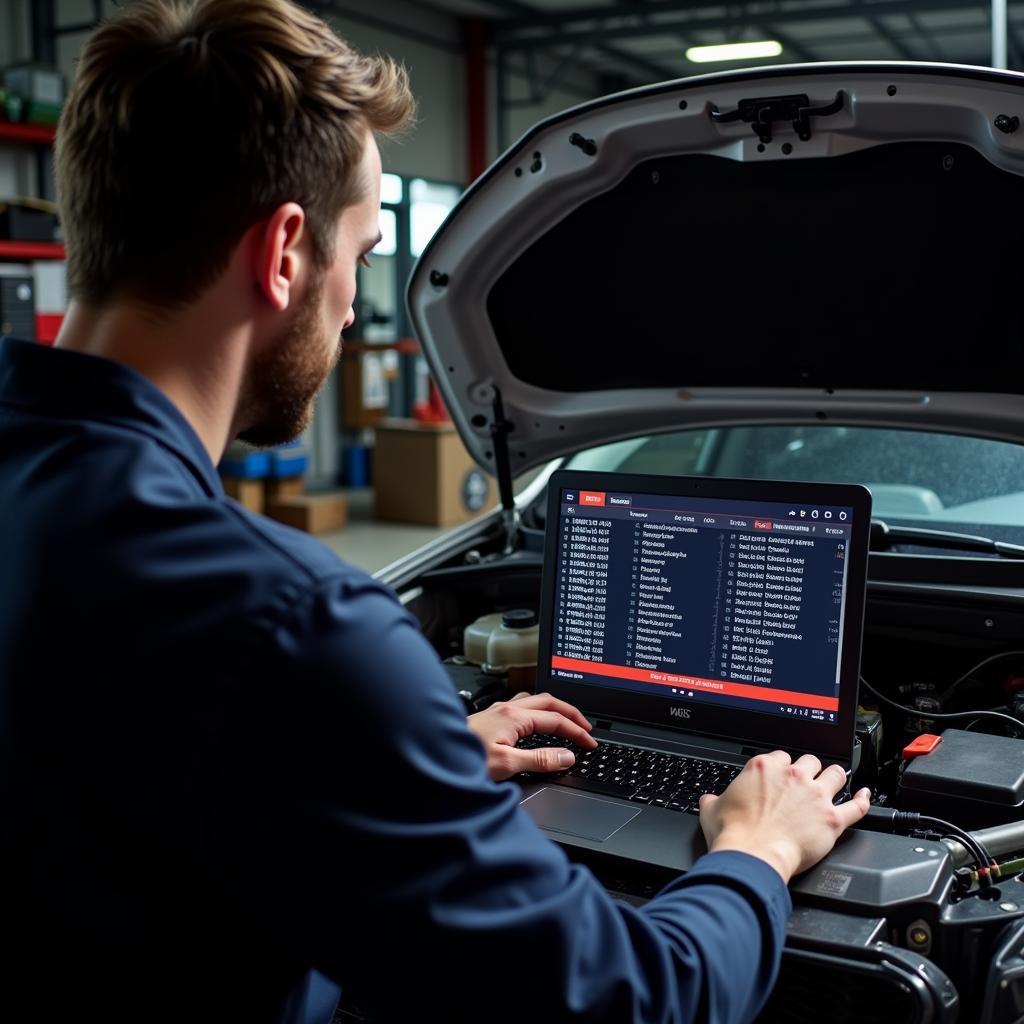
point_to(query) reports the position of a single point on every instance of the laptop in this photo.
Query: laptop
(696, 623)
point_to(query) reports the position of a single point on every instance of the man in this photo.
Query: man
(234, 776)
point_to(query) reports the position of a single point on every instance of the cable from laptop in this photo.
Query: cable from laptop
(888, 819)
(944, 716)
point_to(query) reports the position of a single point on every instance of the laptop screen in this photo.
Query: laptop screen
(705, 601)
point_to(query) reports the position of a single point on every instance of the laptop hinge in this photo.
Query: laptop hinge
(714, 745)
(641, 734)
(750, 751)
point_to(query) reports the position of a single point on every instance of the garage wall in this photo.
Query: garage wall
(14, 38)
(521, 119)
(437, 147)
(17, 166)
(429, 43)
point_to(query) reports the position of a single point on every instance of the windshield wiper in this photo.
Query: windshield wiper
(884, 537)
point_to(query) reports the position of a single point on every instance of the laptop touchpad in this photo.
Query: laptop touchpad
(578, 814)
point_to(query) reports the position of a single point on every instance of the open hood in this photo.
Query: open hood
(795, 244)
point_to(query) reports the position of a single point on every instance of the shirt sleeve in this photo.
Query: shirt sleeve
(355, 823)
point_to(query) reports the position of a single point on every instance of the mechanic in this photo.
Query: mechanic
(235, 777)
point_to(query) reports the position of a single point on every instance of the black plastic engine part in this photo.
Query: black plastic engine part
(872, 873)
(838, 985)
(477, 689)
(973, 779)
(1004, 990)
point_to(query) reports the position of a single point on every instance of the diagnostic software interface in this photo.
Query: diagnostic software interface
(738, 603)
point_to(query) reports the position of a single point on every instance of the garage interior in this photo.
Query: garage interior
(831, 482)
(484, 71)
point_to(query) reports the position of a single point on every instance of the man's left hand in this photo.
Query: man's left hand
(506, 722)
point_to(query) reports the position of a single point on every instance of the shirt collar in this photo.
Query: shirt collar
(61, 383)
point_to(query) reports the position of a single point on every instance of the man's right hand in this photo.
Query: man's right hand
(781, 811)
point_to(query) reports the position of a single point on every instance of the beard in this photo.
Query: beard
(284, 379)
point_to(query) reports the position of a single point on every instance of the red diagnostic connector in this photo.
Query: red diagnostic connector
(923, 744)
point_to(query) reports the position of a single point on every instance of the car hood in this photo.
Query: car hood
(838, 243)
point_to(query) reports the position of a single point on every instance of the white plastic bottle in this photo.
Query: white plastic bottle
(505, 642)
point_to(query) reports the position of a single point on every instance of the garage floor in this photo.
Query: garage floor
(370, 544)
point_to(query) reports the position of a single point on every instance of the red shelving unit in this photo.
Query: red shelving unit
(47, 324)
(32, 133)
(31, 251)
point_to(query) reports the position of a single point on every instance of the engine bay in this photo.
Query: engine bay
(917, 914)
(920, 908)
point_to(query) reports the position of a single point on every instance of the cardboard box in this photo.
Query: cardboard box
(314, 513)
(423, 474)
(286, 487)
(288, 460)
(248, 493)
(364, 387)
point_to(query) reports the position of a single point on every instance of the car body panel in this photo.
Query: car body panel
(756, 354)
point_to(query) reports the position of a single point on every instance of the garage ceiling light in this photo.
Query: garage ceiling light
(733, 51)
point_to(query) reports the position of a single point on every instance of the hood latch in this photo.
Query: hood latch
(763, 112)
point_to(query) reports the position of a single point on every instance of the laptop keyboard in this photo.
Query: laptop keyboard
(633, 773)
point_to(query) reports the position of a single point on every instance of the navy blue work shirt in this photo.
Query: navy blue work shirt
(234, 776)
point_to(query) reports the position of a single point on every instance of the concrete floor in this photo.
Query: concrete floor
(371, 544)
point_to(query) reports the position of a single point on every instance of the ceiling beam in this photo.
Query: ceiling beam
(515, 35)
(798, 49)
(883, 30)
(1015, 45)
(927, 37)
(647, 70)
(948, 36)
(655, 72)
(328, 7)
(578, 15)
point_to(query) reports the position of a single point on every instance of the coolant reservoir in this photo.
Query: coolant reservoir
(505, 642)
(476, 635)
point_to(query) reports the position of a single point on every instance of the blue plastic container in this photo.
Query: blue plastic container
(355, 466)
(248, 466)
(288, 460)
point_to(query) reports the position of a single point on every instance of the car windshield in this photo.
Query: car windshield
(935, 481)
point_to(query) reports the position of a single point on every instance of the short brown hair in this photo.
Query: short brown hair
(188, 122)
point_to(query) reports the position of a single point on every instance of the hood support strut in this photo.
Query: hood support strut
(500, 429)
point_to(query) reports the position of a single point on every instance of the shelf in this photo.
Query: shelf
(31, 251)
(404, 346)
(34, 133)
(48, 327)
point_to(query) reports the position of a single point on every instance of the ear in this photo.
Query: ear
(278, 258)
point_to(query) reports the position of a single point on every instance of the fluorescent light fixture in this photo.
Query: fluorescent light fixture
(734, 51)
